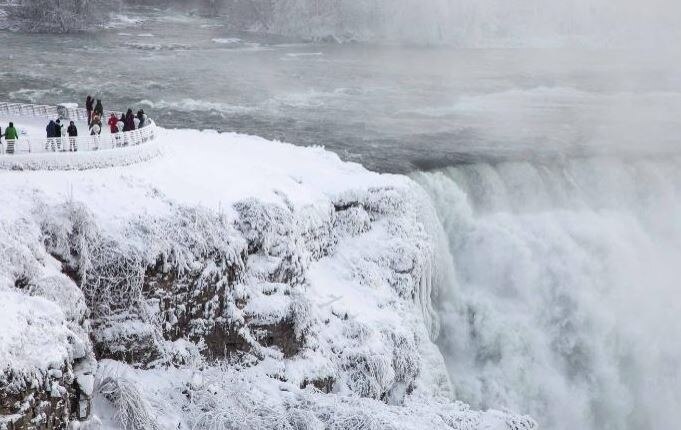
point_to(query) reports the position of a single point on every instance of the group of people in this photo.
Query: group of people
(128, 121)
(55, 130)
(95, 112)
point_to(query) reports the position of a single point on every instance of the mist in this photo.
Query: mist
(545, 135)
(561, 300)
(467, 23)
(461, 23)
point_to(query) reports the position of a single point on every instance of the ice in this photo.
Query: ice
(338, 255)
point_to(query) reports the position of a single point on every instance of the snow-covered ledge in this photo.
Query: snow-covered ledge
(30, 152)
(80, 160)
(243, 284)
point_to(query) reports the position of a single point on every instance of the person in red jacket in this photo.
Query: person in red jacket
(113, 123)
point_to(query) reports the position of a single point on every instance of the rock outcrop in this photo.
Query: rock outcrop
(304, 308)
(46, 363)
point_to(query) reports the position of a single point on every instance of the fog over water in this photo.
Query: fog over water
(393, 108)
(483, 23)
(546, 133)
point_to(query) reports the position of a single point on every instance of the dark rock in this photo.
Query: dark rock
(192, 306)
(281, 335)
(113, 340)
(39, 400)
(325, 385)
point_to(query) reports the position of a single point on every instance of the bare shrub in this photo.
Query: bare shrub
(132, 410)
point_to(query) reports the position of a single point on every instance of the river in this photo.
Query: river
(392, 108)
(554, 172)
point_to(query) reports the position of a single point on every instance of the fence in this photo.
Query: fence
(68, 144)
(45, 111)
(19, 109)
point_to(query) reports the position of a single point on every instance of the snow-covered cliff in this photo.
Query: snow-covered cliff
(232, 282)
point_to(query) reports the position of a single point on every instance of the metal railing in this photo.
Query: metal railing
(20, 109)
(27, 144)
(46, 111)
(80, 143)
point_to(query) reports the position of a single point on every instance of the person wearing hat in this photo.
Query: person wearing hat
(51, 131)
(72, 131)
(58, 133)
(11, 136)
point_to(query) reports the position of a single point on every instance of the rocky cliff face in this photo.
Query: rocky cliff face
(300, 309)
(198, 287)
(42, 399)
(46, 364)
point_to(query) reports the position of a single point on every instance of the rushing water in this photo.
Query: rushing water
(564, 301)
(555, 173)
(390, 108)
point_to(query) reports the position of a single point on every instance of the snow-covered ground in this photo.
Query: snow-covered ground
(345, 258)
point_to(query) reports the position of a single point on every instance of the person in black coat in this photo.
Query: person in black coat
(99, 109)
(57, 128)
(50, 129)
(140, 116)
(89, 106)
(129, 123)
(57, 133)
(72, 130)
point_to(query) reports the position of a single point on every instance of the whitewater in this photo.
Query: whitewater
(565, 278)
(552, 169)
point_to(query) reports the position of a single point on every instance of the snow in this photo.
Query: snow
(86, 384)
(244, 400)
(40, 308)
(199, 168)
(34, 333)
(340, 252)
(82, 160)
(204, 169)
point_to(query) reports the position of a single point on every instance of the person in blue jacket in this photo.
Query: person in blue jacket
(51, 129)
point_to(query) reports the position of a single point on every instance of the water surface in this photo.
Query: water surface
(392, 108)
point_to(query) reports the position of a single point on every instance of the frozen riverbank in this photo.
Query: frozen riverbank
(231, 264)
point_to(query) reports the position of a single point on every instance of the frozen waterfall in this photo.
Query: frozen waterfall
(566, 300)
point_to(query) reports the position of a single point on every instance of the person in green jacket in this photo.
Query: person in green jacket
(11, 134)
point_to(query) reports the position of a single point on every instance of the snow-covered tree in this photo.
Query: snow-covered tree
(61, 15)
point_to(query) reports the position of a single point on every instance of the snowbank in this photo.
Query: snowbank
(232, 264)
(82, 160)
(34, 333)
(44, 345)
